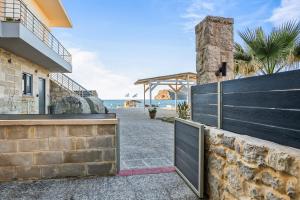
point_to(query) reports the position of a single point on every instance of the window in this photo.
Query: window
(27, 84)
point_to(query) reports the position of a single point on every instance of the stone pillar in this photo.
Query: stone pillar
(214, 46)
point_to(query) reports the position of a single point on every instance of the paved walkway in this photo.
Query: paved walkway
(143, 187)
(145, 143)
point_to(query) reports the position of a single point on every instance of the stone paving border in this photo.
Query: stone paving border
(145, 163)
(158, 170)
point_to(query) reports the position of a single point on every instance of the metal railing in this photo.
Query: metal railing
(17, 11)
(70, 85)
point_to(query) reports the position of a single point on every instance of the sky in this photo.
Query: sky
(116, 42)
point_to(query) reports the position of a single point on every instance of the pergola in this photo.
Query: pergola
(175, 81)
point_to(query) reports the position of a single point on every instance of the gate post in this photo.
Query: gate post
(214, 47)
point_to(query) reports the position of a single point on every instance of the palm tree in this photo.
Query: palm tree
(244, 64)
(269, 53)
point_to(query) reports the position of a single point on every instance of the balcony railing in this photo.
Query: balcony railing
(17, 11)
(70, 85)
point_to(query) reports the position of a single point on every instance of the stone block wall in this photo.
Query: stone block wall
(51, 151)
(214, 45)
(243, 167)
(66, 102)
(57, 93)
(12, 101)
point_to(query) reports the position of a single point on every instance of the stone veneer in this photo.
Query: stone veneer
(214, 45)
(65, 102)
(243, 167)
(50, 151)
(12, 101)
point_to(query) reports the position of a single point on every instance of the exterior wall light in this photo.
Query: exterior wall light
(222, 70)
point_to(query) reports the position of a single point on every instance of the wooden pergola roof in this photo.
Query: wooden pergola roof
(181, 76)
(175, 81)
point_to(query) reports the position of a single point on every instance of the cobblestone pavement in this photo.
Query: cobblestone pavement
(145, 143)
(144, 187)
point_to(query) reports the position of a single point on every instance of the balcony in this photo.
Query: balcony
(23, 34)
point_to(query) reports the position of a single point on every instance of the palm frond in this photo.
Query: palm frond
(241, 54)
(275, 49)
(296, 52)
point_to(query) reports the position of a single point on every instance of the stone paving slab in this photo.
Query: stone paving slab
(145, 143)
(168, 186)
(145, 163)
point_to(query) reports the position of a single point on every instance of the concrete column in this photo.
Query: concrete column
(214, 46)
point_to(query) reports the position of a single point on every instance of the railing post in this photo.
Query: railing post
(13, 10)
(68, 84)
(25, 17)
(43, 30)
(220, 105)
(33, 24)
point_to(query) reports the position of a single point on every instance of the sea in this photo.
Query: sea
(160, 103)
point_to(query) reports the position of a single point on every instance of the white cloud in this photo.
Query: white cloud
(199, 9)
(91, 73)
(288, 10)
(250, 13)
(196, 12)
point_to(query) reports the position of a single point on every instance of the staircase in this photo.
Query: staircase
(70, 85)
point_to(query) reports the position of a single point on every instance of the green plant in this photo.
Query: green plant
(183, 110)
(268, 53)
(12, 19)
(9, 19)
(152, 110)
(244, 64)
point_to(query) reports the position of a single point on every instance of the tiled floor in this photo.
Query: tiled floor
(145, 143)
(168, 186)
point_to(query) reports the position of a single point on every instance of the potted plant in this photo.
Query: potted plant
(9, 19)
(183, 110)
(152, 112)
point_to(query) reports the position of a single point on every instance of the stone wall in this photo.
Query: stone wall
(96, 105)
(12, 101)
(57, 93)
(50, 151)
(214, 45)
(65, 102)
(243, 167)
